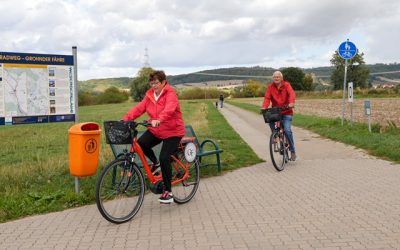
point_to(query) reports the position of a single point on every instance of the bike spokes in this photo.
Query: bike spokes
(277, 150)
(186, 180)
(119, 191)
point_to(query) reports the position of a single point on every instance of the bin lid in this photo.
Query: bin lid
(85, 128)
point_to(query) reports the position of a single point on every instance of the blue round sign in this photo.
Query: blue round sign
(347, 50)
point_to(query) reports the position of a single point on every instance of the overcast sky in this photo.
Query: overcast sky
(184, 36)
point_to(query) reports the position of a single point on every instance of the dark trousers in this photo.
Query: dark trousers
(147, 141)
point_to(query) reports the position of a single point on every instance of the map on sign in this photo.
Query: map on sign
(36, 88)
(26, 91)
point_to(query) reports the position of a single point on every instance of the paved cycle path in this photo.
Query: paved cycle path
(333, 197)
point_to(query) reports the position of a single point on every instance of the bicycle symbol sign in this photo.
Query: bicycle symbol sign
(347, 50)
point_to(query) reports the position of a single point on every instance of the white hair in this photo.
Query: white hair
(277, 73)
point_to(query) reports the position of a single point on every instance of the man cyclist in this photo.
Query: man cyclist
(280, 93)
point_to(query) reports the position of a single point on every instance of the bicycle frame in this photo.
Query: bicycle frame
(279, 127)
(136, 149)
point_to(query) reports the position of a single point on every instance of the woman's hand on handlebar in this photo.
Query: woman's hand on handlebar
(155, 123)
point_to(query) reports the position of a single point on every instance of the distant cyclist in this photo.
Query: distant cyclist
(280, 93)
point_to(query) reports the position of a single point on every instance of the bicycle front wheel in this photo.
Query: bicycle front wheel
(277, 150)
(185, 190)
(120, 191)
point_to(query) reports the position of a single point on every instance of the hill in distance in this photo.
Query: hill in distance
(263, 74)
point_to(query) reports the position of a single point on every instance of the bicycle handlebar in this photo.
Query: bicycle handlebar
(133, 124)
(284, 107)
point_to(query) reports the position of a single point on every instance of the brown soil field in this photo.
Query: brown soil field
(383, 110)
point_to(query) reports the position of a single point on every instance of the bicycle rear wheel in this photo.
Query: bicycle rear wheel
(120, 191)
(185, 190)
(277, 150)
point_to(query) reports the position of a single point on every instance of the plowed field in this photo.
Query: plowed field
(382, 110)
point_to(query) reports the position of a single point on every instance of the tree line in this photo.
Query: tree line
(301, 80)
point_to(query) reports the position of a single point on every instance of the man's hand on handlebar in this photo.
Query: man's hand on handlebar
(288, 106)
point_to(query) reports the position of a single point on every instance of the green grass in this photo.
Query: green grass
(383, 144)
(34, 170)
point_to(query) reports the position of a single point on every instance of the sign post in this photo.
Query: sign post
(347, 50)
(75, 56)
(367, 109)
(350, 92)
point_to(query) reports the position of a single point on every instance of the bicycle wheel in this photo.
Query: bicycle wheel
(277, 150)
(120, 191)
(185, 190)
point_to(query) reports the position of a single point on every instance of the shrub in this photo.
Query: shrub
(113, 95)
(110, 95)
(86, 99)
(199, 93)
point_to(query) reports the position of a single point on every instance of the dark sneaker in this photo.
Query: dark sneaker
(292, 156)
(155, 168)
(166, 198)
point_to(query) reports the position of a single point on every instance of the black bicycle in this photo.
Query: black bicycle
(278, 142)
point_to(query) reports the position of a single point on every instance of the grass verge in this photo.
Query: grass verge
(34, 170)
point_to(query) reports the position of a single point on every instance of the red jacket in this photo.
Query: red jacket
(280, 97)
(166, 109)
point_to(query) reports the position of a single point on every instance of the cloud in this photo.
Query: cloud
(183, 34)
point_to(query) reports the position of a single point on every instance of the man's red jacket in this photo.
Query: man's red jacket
(166, 109)
(280, 97)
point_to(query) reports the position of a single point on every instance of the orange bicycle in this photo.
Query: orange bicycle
(121, 186)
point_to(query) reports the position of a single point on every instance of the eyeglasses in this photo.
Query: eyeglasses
(154, 82)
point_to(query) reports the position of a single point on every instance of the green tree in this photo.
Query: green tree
(357, 71)
(295, 76)
(308, 83)
(140, 84)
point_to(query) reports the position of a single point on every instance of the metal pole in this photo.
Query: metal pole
(369, 123)
(75, 55)
(77, 185)
(351, 114)
(344, 89)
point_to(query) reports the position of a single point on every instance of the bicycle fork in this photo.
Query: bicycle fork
(126, 174)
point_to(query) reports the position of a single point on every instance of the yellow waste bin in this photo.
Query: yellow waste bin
(83, 148)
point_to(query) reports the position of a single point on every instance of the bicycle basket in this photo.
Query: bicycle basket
(272, 115)
(117, 132)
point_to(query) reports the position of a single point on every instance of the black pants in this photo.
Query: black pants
(147, 141)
